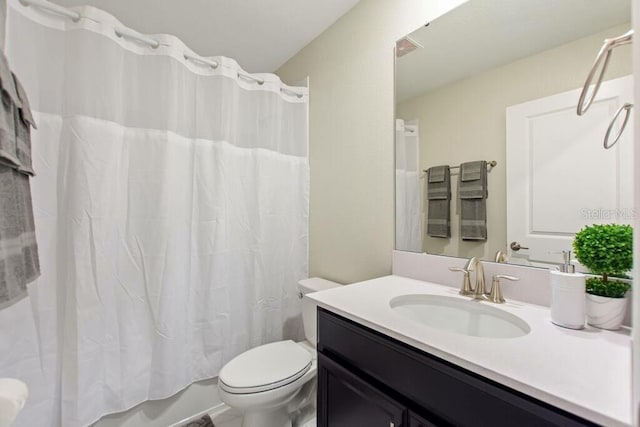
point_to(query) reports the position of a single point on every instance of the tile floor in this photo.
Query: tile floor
(306, 419)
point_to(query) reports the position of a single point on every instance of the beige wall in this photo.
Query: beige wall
(465, 121)
(351, 68)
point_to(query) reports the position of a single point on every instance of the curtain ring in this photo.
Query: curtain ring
(627, 108)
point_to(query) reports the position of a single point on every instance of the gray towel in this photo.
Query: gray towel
(19, 263)
(473, 195)
(438, 197)
(7, 81)
(8, 110)
(23, 124)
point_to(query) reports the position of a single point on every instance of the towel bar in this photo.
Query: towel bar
(490, 164)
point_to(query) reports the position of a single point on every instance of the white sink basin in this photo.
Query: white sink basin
(460, 316)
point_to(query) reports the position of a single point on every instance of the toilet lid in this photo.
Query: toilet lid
(265, 367)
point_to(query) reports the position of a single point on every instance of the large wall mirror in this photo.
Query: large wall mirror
(498, 81)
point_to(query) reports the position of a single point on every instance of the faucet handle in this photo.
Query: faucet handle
(466, 281)
(496, 292)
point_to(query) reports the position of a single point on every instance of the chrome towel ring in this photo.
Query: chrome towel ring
(626, 108)
(601, 63)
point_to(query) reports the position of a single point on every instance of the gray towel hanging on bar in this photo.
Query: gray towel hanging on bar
(438, 197)
(473, 193)
(19, 264)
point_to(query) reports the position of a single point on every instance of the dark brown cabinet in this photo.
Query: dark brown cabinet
(352, 402)
(368, 379)
(417, 421)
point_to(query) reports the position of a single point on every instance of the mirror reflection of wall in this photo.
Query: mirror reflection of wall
(460, 91)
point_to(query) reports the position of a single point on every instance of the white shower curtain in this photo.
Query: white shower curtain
(408, 234)
(171, 206)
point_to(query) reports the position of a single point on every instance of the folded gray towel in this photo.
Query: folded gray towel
(8, 112)
(473, 180)
(438, 183)
(6, 80)
(23, 123)
(473, 194)
(438, 196)
(16, 121)
(25, 108)
(438, 173)
(19, 263)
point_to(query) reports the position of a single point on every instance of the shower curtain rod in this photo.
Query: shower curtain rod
(250, 77)
(291, 92)
(124, 32)
(195, 58)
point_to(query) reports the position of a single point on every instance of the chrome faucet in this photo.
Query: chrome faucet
(479, 290)
(501, 257)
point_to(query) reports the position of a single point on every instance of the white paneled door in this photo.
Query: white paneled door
(559, 176)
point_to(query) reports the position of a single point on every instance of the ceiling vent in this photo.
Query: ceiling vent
(406, 45)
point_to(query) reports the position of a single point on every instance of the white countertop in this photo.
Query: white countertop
(586, 372)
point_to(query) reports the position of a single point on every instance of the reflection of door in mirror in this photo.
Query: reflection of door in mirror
(559, 178)
(408, 205)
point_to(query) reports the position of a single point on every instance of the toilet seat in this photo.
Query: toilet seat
(264, 368)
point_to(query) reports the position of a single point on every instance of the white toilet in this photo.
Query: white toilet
(267, 384)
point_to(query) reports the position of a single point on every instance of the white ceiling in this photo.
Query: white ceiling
(261, 35)
(483, 34)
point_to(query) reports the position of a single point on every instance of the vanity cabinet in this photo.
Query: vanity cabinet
(351, 401)
(367, 379)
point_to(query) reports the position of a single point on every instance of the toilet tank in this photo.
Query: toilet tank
(305, 286)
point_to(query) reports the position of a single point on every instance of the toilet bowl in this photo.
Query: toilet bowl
(267, 384)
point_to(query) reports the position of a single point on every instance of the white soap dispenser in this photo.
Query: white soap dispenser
(568, 295)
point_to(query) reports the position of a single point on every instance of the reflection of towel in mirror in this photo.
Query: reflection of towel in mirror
(438, 197)
(19, 263)
(473, 195)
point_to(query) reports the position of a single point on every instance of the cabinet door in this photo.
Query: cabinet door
(345, 400)
(418, 421)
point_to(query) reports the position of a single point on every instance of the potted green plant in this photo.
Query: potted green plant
(607, 251)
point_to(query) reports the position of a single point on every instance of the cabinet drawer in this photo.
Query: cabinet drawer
(451, 393)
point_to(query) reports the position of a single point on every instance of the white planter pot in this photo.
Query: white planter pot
(605, 312)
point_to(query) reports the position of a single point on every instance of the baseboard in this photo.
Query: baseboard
(213, 412)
